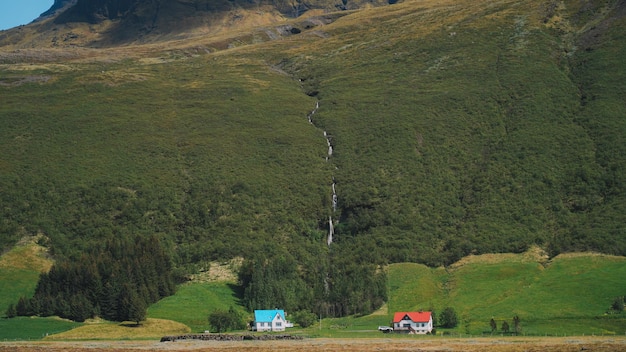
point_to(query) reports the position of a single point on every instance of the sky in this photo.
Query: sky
(16, 12)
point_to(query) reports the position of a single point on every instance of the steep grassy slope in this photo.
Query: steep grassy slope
(460, 127)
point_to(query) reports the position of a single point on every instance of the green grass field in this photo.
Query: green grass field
(24, 328)
(193, 302)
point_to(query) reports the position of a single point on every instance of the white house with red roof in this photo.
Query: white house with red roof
(413, 322)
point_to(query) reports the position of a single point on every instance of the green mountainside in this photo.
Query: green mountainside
(319, 148)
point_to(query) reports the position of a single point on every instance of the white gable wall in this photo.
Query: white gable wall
(277, 324)
(420, 327)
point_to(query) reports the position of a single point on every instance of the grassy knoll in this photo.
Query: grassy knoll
(193, 302)
(412, 343)
(569, 295)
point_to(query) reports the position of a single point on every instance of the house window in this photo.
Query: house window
(278, 323)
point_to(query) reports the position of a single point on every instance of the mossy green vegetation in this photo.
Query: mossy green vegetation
(464, 138)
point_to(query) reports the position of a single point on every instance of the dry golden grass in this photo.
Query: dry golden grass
(27, 255)
(219, 271)
(534, 254)
(589, 254)
(100, 329)
(406, 343)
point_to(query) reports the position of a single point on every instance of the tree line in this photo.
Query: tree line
(333, 285)
(505, 327)
(116, 281)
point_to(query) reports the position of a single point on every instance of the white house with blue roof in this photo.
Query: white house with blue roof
(270, 320)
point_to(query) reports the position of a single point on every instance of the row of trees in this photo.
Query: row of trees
(117, 281)
(505, 326)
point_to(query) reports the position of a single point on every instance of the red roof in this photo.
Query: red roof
(416, 317)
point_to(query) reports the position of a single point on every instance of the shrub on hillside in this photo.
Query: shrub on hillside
(222, 321)
(618, 304)
(304, 318)
(448, 318)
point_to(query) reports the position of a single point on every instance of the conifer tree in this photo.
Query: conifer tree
(136, 309)
(448, 318)
(11, 312)
(505, 327)
(23, 307)
(516, 325)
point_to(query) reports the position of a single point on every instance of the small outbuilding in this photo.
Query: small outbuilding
(270, 320)
(413, 322)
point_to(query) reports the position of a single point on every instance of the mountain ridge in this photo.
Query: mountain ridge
(110, 23)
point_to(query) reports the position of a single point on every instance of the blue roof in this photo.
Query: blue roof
(266, 316)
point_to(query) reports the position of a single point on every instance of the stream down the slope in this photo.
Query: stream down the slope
(331, 227)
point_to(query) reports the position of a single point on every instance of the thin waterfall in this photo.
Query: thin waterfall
(331, 231)
(331, 227)
(334, 196)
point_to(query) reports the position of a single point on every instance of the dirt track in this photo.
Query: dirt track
(348, 345)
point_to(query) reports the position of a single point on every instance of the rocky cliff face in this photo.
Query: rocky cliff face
(94, 11)
(97, 10)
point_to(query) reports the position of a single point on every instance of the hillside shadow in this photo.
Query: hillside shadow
(237, 293)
